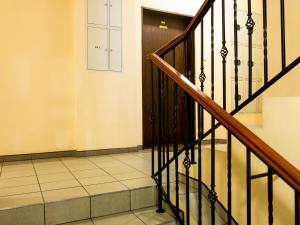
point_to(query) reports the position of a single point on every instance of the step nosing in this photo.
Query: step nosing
(65, 200)
(22, 206)
(92, 195)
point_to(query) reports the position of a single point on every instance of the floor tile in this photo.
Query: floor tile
(15, 201)
(48, 164)
(41, 161)
(46, 178)
(96, 180)
(19, 173)
(109, 164)
(127, 158)
(119, 219)
(59, 185)
(138, 183)
(19, 190)
(150, 217)
(105, 188)
(14, 168)
(17, 181)
(75, 161)
(119, 170)
(89, 173)
(127, 176)
(64, 194)
(17, 163)
(99, 159)
(135, 161)
(50, 170)
(79, 167)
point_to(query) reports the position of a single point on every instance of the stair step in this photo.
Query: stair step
(72, 189)
(146, 216)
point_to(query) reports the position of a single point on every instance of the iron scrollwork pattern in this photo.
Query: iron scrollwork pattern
(212, 197)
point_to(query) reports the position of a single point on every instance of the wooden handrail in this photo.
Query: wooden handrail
(192, 26)
(269, 156)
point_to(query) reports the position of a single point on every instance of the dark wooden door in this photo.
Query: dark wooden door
(158, 29)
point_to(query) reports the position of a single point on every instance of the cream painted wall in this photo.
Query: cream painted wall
(109, 105)
(36, 76)
(107, 108)
(63, 105)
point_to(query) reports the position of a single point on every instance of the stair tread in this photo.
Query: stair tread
(83, 186)
(146, 216)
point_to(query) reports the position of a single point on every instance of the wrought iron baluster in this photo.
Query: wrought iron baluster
(229, 193)
(163, 117)
(212, 53)
(282, 21)
(224, 52)
(202, 76)
(248, 182)
(200, 133)
(250, 26)
(200, 130)
(187, 165)
(175, 137)
(167, 136)
(186, 102)
(152, 121)
(192, 102)
(265, 28)
(236, 69)
(187, 161)
(160, 208)
(212, 194)
(297, 208)
(270, 195)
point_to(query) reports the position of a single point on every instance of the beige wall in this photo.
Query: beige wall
(107, 108)
(109, 105)
(51, 101)
(36, 81)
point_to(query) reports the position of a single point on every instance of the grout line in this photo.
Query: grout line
(44, 204)
(128, 189)
(138, 217)
(104, 171)
(21, 194)
(16, 186)
(89, 196)
(134, 167)
(32, 175)
(120, 181)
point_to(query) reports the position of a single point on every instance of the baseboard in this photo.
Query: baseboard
(70, 153)
(106, 151)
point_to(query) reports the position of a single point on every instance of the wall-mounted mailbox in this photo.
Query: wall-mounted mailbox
(104, 35)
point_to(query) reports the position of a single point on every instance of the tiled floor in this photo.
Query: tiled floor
(88, 181)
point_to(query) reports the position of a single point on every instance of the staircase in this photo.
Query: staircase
(244, 181)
